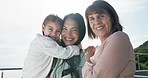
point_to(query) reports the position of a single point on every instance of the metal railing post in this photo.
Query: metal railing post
(4, 69)
(2, 74)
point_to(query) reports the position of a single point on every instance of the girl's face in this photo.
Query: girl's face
(53, 30)
(70, 32)
(100, 25)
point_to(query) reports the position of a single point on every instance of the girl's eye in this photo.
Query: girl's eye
(50, 29)
(58, 32)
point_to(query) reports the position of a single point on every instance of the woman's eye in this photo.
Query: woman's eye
(75, 30)
(64, 29)
(102, 15)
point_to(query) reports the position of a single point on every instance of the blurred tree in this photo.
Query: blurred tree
(142, 56)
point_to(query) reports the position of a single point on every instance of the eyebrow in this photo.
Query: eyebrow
(49, 26)
(66, 26)
(75, 27)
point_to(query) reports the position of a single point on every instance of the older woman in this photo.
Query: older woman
(114, 58)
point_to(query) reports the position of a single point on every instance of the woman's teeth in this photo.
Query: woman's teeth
(68, 39)
(100, 28)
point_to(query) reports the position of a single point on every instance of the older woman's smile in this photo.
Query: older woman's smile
(100, 28)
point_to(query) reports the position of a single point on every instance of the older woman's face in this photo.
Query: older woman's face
(100, 25)
(70, 32)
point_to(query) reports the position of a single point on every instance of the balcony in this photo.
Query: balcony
(140, 73)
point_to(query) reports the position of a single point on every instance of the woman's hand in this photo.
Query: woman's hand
(89, 52)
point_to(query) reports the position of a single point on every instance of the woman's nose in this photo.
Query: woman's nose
(68, 33)
(97, 21)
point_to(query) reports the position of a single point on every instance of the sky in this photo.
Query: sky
(21, 20)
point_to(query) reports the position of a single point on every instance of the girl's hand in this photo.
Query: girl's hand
(80, 46)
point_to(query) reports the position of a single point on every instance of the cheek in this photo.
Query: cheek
(109, 25)
(76, 35)
(58, 35)
(62, 34)
(91, 25)
(46, 32)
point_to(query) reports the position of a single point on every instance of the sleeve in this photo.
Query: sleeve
(112, 61)
(51, 48)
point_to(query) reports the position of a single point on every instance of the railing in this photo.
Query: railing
(138, 74)
(139, 57)
(141, 73)
(4, 69)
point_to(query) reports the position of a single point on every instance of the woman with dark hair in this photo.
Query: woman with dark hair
(72, 34)
(114, 58)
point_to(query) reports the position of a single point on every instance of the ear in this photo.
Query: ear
(43, 27)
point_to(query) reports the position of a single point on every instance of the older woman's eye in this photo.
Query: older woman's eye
(91, 18)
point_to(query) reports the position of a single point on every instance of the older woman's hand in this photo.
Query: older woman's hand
(89, 52)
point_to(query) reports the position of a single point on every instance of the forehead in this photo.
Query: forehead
(95, 10)
(70, 23)
(98, 12)
(53, 25)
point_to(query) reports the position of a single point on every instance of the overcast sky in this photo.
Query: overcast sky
(20, 20)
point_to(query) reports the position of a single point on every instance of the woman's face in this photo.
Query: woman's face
(100, 25)
(70, 32)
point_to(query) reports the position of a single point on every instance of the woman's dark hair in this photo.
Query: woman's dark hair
(81, 25)
(100, 6)
(74, 61)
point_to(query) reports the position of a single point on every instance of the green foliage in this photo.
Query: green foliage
(142, 59)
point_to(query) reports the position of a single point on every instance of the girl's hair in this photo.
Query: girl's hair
(53, 18)
(99, 7)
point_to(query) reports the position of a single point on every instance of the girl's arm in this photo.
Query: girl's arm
(51, 48)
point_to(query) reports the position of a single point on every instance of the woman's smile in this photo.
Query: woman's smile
(68, 39)
(70, 32)
(99, 28)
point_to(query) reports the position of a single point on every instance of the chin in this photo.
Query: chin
(67, 44)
